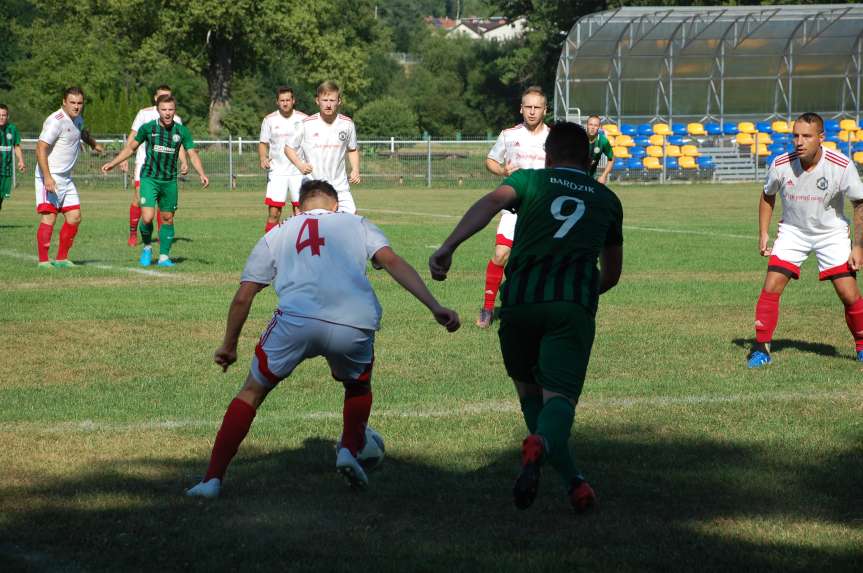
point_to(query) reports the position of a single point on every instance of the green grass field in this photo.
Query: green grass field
(109, 402)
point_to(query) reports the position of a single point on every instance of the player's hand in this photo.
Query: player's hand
(184, 168)
(354, 179)
(106, 168)
(124, 166)
(762, 245)
(855, 261)
(509, 169)
(21, 166)
(602, 179)
(98, 149)
(205, 181)
(306, 168)
(265, 163)
(439, 263)
(224, 357)
(49, 184)
(447, 318)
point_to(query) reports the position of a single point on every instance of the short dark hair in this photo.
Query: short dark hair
(4, 107)
(314, 187)
(811, 117)
(284, 90)
(567, 142)
(167, 98)
(163, 88)
(72, 90)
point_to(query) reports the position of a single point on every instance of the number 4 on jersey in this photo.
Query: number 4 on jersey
(314, 241)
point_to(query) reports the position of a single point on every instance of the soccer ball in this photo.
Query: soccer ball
(373, 452)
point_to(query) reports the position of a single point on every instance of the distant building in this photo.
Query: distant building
(495, 28)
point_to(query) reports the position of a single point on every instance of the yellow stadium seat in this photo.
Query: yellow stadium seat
(652, 163)
(690, 151)
(848, 135)
(829, 144)
(624, 141)
(687, 162)
(657, 140)
(746, 127)
(744, 138)
(610, 139)
(848, 125)
(762, 150)
(654, 151)
(662, 129)
(673, 151)
(695, 129)
(621, 152)
(781, 126)
(762, 138)
(611, 129)
(858, 157)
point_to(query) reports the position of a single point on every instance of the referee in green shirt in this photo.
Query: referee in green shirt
(164, 139)
(568, 249)
(10, 145)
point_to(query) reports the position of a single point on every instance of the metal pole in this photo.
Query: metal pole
(755, 155)
(240, 146)
(664, 158)
(428, 164)
(230, 162)
(392, 144)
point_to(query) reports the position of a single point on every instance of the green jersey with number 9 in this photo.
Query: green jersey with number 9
(565, 218)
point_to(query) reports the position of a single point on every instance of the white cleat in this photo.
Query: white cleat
(206, 489)
(350, 469)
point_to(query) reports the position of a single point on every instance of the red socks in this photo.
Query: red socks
(355, 416)
(766, 316)
(134, 218)
(67, 237)
(493, 278)
(235, 425)
(158, 220)
(269, 226)
(43, 241)
(854, 319)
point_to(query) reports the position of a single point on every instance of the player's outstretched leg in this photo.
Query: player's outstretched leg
(355, 416)
(349, 468)
(766, 318)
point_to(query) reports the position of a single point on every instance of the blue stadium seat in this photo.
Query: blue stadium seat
(776, 148)
(642, 141)
(675, 140)
(782, 138)
(857, 147)
(637, 152)
(645, 129)
(831, 126)
(713, 128)
(628, 129)
(789, 148)
(769, 159)
(634, 163)
(729, 128)
(671, 163)
(705, 162)
(679, 128)
(834, 137)
(619, 164)
(764, 127)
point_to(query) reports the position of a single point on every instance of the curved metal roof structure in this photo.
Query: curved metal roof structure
(713, 63)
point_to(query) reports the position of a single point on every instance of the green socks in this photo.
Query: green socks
(531, 406)
(554, 425)
(166, 238)
(146, 232)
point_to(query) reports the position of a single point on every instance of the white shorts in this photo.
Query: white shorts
(137, 180)
(63, 200)
(792, 247)
(346, 203)
(289, 339)
(278, 187)
(506, 228)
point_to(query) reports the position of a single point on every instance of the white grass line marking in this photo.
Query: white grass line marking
(477, 409)
(630, 227)
(148, 272)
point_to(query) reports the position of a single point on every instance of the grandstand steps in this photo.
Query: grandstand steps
(732, 164)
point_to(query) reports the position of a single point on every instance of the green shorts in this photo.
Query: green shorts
(547, 344)
(159, 192)
(5, 187)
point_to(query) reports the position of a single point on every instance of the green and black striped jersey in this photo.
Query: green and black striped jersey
(163, 148)
(9, 138)
(565, 219)
(599, 147)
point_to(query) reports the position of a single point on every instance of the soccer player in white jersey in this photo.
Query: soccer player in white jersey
(316, 262)
(813, 182)
(519, 147)
(143, 116)
(277, 130)
(56, 153)
(324, 140)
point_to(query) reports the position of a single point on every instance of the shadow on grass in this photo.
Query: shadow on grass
(666, 505)
(783, 343)
(14, 226)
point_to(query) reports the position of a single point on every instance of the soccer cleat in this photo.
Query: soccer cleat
(485, 317)
(166, 262)
(581, 496)
(758, 358)
(206, 489)
(860, 356)
(527, 483)
(350, 469)
(146, 257)
(45, 265)
(133, 240)
(64, 264)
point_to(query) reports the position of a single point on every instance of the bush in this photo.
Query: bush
(386, 117)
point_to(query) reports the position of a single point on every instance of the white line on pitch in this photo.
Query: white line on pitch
(148, 272)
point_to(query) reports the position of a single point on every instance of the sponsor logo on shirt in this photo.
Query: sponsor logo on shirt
(5, 148)
(164, 149)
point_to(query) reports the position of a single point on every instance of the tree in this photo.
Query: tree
(386, 117)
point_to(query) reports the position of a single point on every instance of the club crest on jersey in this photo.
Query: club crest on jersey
(8, 136)
(176, 137)
(596, 150)
(343, 136)
(822, 183)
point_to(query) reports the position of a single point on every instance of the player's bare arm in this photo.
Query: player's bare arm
(238, 312)
(499, 169)
(184, 161)
(474, 220)
(856, 259)
(354, 158)
(89, 140)
(42, 160)
(125, 153)
(124, 166)
(409, 279)
(603, 178)
(199, 167)
(610, 267)
(264, 155)
(305, 168)
(19, 155)
(765, 213)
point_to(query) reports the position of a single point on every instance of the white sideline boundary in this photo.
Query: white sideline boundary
(147, 272)
(477, 409)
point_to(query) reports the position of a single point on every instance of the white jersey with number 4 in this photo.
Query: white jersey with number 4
(63, 136)
(521, 148)
(278, 131)
(317, 263)
(324, 146)
(143, 116)
(814, 200)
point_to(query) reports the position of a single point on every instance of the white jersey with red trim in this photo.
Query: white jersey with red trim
(143, 116)
(277, 131)
(814, 200)
(63, 136)
(324, 146)
(317, 263)
(520, 147)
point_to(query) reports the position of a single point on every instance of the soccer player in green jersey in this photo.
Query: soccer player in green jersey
(568, 249)
(164, 138)
(10, 144)
(599, 146)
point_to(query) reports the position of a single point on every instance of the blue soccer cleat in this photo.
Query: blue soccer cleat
(860, 356)
(758, 358)
(146, 257)
(165, 263)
